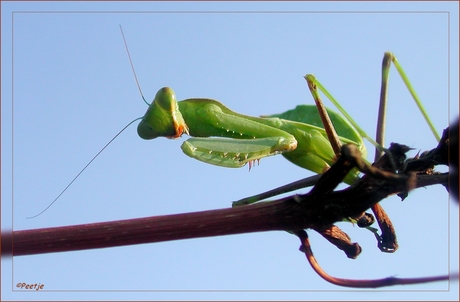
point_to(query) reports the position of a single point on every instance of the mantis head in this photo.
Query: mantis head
(163, 117)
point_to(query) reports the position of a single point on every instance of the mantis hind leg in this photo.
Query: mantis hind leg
(388, 242)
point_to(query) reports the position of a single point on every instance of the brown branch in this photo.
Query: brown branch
(317, 210)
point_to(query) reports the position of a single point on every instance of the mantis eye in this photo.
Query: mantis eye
(166, 99)
(145, 131)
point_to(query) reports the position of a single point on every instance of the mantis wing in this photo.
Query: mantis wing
(308, 114)
(314, 151)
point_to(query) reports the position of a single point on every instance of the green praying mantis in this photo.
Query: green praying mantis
(228, 139)
(225, 138)
(222, 137)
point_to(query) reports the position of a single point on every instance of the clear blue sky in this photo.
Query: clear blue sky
(73, 90)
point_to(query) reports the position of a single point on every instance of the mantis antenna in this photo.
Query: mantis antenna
(132, 66)
(106, 145)
(84, 168)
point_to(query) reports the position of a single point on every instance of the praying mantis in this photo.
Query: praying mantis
(154, 201)
(228, 139)
(252, 138)
(225, 138)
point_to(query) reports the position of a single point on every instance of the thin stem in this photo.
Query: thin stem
(342, 110)
(356, 283)
(328, 126)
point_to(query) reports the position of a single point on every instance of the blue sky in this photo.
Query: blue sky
(74, 89)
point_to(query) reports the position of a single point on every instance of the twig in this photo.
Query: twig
(306, 248)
